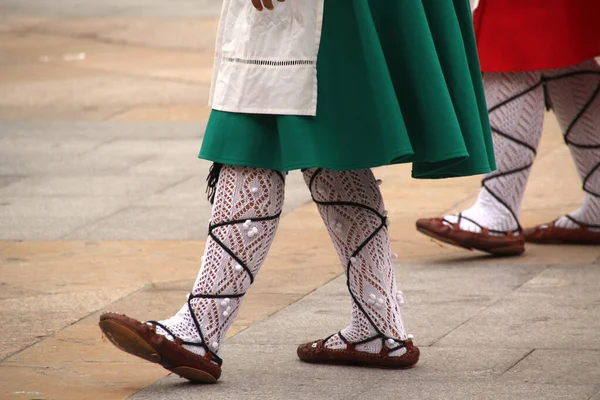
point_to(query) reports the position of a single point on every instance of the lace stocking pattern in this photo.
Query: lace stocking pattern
(516, 116)
(351, 206)
(575, 100)
(245, 216)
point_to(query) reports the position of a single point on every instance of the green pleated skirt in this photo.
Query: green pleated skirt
(399, 81)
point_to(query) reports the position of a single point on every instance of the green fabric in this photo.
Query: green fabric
(399, 81)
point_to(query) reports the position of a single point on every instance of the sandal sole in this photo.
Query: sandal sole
(193, 374)
(130, 342)
(358, 364)
(509, 250)
(359, 359)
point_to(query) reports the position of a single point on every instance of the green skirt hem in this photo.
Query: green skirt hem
(399, 82)
(442, 171)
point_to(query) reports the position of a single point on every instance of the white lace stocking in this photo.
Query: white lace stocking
(245, 216)
(575, 99)
(516, 113)
(351, 206)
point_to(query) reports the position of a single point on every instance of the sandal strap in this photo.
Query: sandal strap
(209, 354)
(581, 224)
(383, 223)
(213, 179)
(484, 230)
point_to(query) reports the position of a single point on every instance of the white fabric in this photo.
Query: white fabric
(372, 279)
(242, 194)
(266, 61)
(521, 119)
(474, 5)
(568, 97)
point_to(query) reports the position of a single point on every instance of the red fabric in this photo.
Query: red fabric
(526, 35)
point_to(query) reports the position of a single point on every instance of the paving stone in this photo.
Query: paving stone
(175, 147)
(188, 193)
(86, 266)
(452, 372)
(185, 113)
(595, 397)
(453, 390)
(71, 165)
(327, 309)
(34, 147)
(184, 164)
(78, 130)
(458, 283)
(567, 366)
(48, 380)
(18, 114)
(137, 8)
(191, 34)
(462, 292)
(556, 310)
(111, 186)
(462, 362)
(249, 373)
(147, 223)
(114, 91)
(8, 291)
(31, 327)
(36, 228)
(8, 180)
(53, 208)
(45, 314)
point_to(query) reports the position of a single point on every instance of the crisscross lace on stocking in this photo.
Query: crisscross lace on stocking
(575, 99)
(245, 216)
(516, 118)
(351, 206)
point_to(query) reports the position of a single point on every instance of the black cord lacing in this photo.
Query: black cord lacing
(543, 82)
(382, 225)
(213, 179)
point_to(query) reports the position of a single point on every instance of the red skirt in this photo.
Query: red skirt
(527, 35)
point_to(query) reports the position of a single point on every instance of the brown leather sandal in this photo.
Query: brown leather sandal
(317, 353)
(509, 243)
(141, 340)
(551, 234)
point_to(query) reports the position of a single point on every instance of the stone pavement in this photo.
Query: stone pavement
(102, 111)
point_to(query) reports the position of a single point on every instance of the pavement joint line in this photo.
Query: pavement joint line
(121, 73)
(94, 37)
(140, 161)
(9, 356)
(128, 206)
(361, 394)
(518, 361)
(178, 182)
(595, 394)
(492, 304)
(100, 145)
(97, 220)
(116, 114)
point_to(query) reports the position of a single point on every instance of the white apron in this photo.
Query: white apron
(266, 61)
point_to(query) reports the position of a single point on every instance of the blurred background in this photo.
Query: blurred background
(102, 110)
(103, 106)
